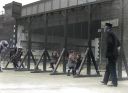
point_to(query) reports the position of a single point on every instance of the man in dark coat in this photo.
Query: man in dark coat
(112, 49)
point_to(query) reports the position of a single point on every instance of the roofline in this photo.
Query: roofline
(11, 3)
(37, 2)
(61, 9)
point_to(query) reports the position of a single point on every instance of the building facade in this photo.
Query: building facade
(102, 11)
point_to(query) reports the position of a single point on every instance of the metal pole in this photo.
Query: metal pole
(45, 30)
(65, 39)
(89, 40)
(45, 41)
(29, 43)
(122, 32)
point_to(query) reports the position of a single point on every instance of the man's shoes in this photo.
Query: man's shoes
(50, 67)
(103, 82)
(68, 74)
(113, 85)
(1, 69)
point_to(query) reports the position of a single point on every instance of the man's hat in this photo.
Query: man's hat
(108, 24)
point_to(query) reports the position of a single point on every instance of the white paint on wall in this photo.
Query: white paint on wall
(114, 22)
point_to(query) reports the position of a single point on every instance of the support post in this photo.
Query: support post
(65, 39)
(83, 61)
(88, 63)
(45, 41)
(125, 62)
(89, 40)
(122, 32)
(29, 43)
(58, 62)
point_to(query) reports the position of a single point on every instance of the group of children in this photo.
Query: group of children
(74, 60)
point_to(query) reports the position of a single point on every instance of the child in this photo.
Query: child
(71, 62)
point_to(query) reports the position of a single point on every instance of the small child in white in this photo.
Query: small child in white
(3, 47)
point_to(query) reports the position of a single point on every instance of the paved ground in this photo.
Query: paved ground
(26, 82)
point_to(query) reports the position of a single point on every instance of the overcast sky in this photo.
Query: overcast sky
(3, 2)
